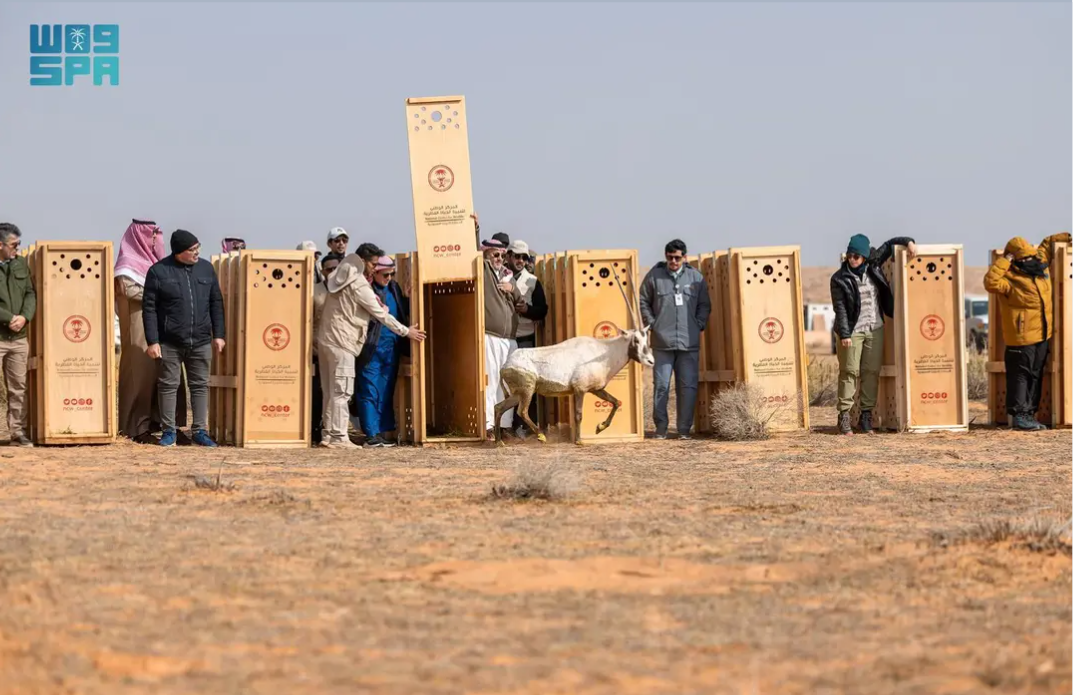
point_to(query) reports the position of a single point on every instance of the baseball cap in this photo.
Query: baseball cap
(337, 232)
(307, 246)
(518, 247)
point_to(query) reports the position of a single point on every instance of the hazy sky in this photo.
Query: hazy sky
(591, 126)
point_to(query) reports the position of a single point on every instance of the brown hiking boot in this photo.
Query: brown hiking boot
(844, 426)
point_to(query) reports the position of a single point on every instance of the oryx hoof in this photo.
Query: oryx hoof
(542, 437)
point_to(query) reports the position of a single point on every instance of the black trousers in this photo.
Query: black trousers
(527, 341)
(1025, 369)
(316, 406)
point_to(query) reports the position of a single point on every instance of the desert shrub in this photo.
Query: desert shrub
(1037, 533)
(977, 377)
(745, 412)
(538, 480)
(822, 380)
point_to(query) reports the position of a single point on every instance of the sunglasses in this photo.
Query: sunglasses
(497, 254)
(391, 274)
(854, 256)
(672, 257)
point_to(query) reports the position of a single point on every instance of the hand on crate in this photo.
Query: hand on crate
(912, 249)
(154, 351)
(219, 345)
(17, 323)
(847, 342)
(417, 335)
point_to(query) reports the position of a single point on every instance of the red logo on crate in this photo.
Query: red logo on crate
(934, 396)
(446, 248)
(276, 336)
(774, 399)
(771, 330)
(605, 329)
(276, 411)
(441, 178)
(76, 328)
(932, 327)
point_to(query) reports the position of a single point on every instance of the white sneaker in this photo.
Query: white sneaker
(345, 444)
(521, 433)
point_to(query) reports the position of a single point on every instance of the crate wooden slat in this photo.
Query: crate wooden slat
(71, 382)
(1062, 312)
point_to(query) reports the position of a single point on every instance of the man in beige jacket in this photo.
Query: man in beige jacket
(349, 306)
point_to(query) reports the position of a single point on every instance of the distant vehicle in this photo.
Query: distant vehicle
(977, 323)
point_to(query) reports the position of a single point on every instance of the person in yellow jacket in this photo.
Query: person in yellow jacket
(1021, 279)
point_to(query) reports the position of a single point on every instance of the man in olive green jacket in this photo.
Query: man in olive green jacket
(17, 305)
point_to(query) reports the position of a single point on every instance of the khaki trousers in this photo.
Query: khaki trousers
(337, 369)
(13, 356)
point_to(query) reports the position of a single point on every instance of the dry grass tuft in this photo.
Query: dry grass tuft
(213, 484)
(822, 381)
(1038, 533)
(977, 377)
(744, 413)
(538, 480)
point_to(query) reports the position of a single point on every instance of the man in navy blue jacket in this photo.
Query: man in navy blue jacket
(183, 314)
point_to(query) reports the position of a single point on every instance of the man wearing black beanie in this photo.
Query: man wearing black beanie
(183, 314)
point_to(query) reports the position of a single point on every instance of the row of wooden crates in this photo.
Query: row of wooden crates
(1055, 402)
(756, 335)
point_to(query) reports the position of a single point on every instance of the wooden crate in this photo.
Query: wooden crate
(927, 342)
(260, 387)
(767, 331)
(449, 370)
(71, 384)
(595, 306)
(1054, 409)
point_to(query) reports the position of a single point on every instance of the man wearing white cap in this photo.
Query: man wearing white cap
(500, 297)
(530, 308)
(337, 240)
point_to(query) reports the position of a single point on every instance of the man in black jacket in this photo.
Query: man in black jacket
(861, 297)
(183, 314)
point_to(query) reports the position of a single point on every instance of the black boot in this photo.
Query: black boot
(866, 422)
(844, 426)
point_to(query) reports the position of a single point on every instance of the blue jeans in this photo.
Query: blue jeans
(685, 366)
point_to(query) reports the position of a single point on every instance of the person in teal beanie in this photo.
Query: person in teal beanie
(861, 297)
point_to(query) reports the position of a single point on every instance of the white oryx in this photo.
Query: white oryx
(571, 368)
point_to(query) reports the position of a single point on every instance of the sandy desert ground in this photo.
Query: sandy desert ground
(805, 564)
